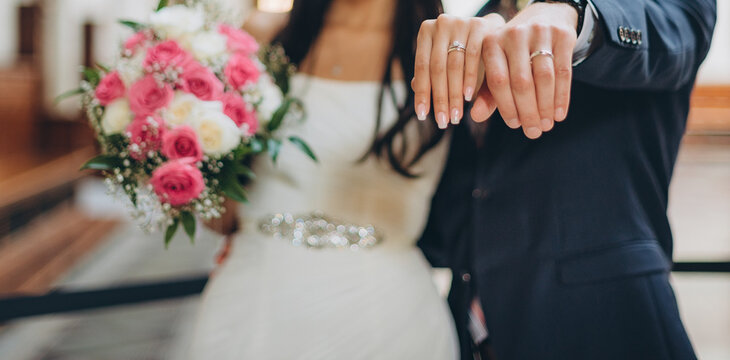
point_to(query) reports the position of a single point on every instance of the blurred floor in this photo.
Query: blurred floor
(146, 331)
(699, 210)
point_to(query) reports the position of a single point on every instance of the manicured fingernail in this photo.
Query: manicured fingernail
(468, 93)
(533, 132)
(559, 114)
(455, 117)
(547, 124)
(421, 112)
(443, 123)
(513, 123)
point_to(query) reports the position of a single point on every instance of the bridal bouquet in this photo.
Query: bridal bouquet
(189, 102)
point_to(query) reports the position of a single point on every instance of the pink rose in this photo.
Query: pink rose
(146, 96)
(135, 41)
(238, 40)
(235, 108)
(202, 82)
(241, 70)
(181, 142)
(110, 88)
(165, 54)
(177, 182)
(145, 134)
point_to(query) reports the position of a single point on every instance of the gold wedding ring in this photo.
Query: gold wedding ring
(541, 52)
(457, 46)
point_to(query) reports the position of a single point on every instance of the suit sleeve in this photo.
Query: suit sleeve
(648, 44)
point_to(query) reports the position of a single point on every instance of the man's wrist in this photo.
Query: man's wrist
(563, 13)
(578, 5)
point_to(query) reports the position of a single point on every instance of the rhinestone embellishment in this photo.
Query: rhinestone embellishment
(318, 231)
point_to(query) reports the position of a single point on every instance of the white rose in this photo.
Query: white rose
(117, 116)
(271, 97)
(207, 45)
(218, 134)
(176, 21)
(180, 109)
(130, 69)
(202, 107)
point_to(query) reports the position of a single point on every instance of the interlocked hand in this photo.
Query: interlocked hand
(527, 63)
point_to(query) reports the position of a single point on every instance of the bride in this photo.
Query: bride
(325, 266)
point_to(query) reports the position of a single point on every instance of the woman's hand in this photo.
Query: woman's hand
(452, 74)
(227, 224)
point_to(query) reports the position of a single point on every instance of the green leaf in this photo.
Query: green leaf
(188, 221)
(242, 150)
(230, 185)
(274, 146)
(238, 168)
(161, 4)
(92, 76)
(257, 145)
(279, 114)
(102, 162)
(67, 95)
(103, 67)
(245, 171)
(299, 143)
(135, 26)
(170, 232)
(116, 139)
(235, 192)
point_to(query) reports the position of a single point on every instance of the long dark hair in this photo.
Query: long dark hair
(305, 24)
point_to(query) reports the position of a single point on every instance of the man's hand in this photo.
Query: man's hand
(530, 91)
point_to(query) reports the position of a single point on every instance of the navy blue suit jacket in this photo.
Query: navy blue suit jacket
(565, 239)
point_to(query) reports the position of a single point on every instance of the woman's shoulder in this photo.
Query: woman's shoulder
(264, 26)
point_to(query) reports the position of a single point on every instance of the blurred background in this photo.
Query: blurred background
(59, 230)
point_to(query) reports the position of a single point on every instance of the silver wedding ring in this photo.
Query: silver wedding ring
(539, 53)
(457, 46)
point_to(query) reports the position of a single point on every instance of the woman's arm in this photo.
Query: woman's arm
(264, 26)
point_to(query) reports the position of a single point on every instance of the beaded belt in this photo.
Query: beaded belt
(317, 231)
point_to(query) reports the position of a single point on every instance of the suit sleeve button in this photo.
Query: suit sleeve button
(465, 277)
(479, 194)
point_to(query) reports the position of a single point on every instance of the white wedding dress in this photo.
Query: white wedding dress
(283, 294)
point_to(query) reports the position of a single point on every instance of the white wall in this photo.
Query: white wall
(462, 7)
(716, 68)
(8, 32)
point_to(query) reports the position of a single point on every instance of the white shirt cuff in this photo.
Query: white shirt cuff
(590, 26)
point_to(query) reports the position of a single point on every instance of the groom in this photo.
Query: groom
(557, 233)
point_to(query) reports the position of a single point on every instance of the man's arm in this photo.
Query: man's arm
(645, 44)
(642, 44)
